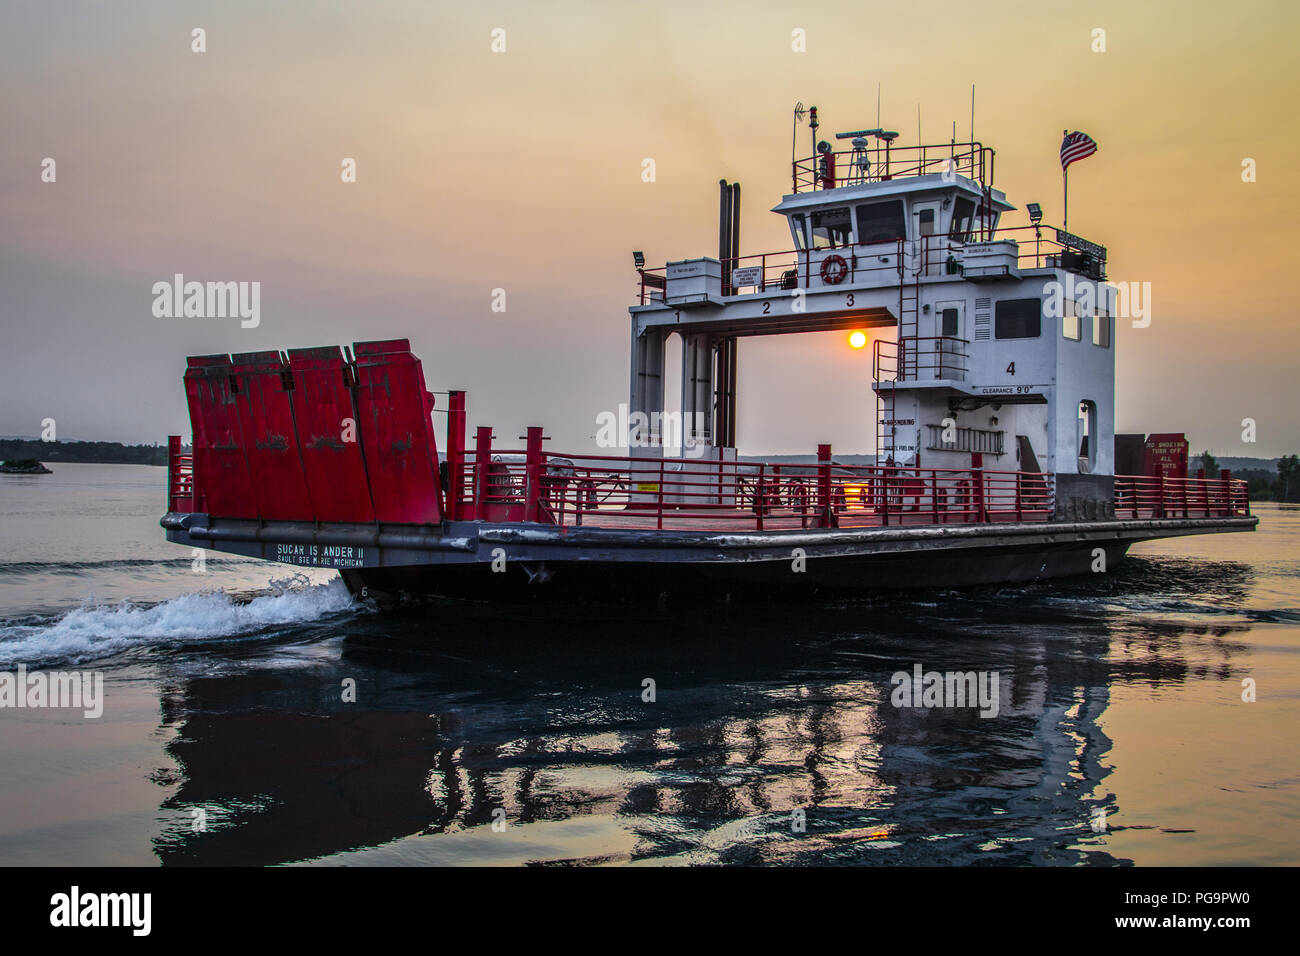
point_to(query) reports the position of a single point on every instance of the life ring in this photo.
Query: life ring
(834, 269)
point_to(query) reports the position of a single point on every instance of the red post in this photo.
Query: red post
(825, 506)
(1225, 476)
(455, 453)
(533, 465)
(1160, 507)
(482, 466)
(173, 467)
(659, 514)
(886, 479)
(977, 484)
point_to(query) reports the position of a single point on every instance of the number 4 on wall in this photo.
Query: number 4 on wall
(1011, 369)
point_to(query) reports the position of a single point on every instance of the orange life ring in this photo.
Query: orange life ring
(834, 269)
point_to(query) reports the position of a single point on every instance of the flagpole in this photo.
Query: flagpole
(1065, 184)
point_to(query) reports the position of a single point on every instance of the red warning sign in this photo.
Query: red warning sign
(1165, 456)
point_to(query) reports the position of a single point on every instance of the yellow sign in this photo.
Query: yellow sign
(649, 487)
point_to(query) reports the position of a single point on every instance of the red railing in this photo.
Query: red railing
(652, 491)
(180, 477)
(1146, 497)
(676, 493)
(876, 263)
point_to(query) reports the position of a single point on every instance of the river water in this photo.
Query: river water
(253, 714)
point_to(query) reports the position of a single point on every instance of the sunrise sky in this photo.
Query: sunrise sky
(522, 170)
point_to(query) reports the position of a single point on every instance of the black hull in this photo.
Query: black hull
(533, 562)
(579, 582)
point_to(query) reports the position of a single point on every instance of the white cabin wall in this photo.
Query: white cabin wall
(1084, 371)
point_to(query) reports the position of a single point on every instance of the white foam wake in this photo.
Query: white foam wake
(95, 631)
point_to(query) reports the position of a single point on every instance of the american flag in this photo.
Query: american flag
(1076, 146)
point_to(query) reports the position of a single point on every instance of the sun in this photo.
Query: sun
(858, 339)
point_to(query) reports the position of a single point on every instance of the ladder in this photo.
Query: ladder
(906, 352)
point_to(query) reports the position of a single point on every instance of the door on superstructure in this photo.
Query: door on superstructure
(925, 228)
(950, 340)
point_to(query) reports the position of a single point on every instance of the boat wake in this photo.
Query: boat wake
(95, 631)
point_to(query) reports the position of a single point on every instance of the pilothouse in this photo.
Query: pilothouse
(985, 353)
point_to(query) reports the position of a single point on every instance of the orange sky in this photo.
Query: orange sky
(522, 170)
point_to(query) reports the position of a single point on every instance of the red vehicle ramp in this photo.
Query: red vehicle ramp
(314, 436)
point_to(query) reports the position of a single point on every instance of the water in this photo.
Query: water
(225, 738)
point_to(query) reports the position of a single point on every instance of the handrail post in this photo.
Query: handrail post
(1163, 491)
(660, 497)
(455, 453)
(532, 473)
(884, 496)
(760, 496)
(977, 485)
(173, 470)
(482, 464)
(825, 507)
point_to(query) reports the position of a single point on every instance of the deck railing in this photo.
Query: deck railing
(706, 494)
(885, 263)
(924, 357)
(684, 494)
(180, 477)
(1147, 497)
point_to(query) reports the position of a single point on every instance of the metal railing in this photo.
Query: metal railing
(684, 494)
(879, 263)
(1138, 496)
(180, 477)
(967, 440)
(939, 356)
(885, 162)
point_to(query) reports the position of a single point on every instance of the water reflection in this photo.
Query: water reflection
(463, 712)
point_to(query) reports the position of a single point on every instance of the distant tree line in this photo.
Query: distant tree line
(1263, 485)
(99, 452)
(1287, 486)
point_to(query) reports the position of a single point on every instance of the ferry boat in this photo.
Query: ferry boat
(996, 455)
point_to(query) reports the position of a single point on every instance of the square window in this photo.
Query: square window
(1101, 331)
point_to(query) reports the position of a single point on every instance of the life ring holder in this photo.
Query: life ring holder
(834, 269)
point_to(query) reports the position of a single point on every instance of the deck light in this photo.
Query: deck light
(858, 339)
(1035, 212)
(638, 258)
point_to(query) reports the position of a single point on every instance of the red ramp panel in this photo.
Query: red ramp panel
(401, 454)
(330, 447)
(270, 439)
(223, 485)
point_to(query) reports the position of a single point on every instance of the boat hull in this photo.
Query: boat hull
(513, 562)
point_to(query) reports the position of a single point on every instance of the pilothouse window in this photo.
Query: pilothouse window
(830, 227)
(881, 222)
(799, 226)
(963, 213)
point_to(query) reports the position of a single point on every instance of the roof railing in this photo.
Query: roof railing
(883, 163)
